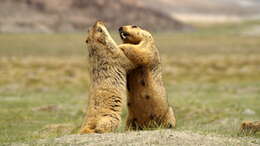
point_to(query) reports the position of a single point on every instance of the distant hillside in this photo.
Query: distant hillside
(208, 10)
(224, 7)
(77, 15)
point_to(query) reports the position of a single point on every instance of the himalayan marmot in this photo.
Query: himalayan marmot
(108, 70)
(147, 102)
(250, 127)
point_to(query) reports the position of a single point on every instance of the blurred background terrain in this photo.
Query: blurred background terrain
(75, 15)
(208, 10)
(210, 51)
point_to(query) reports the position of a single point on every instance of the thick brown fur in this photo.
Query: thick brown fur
(147, 102)
(108, 71)
(250, 127)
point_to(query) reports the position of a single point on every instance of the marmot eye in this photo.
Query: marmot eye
(99, 30)
(134, 26)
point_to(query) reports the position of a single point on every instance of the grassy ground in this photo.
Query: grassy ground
(212, 78)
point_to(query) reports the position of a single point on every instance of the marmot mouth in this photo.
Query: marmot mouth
(124, 35)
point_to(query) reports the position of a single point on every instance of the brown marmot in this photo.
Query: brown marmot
(147, 102)
(250, 127)
(108, 71)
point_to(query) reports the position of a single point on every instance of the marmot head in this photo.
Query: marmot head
(247, 124)
(98, 33)
(100, 41)
(133, 34)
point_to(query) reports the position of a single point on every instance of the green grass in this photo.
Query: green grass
(204, 108)
(215, 107)
(216, 39)
(21, 122)
(41, 44)
(212, 78)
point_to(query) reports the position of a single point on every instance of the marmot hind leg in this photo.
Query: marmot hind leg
(107, 124)
(169, 119)
(102, 125)
(131, 124)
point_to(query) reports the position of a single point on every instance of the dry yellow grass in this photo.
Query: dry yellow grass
(60, 72)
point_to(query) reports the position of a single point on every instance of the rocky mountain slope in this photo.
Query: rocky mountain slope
(78, 15)
(241, 8)
(208, 10)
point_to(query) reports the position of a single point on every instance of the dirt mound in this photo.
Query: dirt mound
(158, 137)
(77, 15)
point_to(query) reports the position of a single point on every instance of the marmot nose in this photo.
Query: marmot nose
(120, 28)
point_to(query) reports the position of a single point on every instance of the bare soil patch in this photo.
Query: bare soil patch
(157, 137)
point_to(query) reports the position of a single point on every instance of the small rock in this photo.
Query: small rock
(248, 112)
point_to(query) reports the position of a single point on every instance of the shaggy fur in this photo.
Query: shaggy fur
(107, 93)
(250, 126)
(147, 102)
